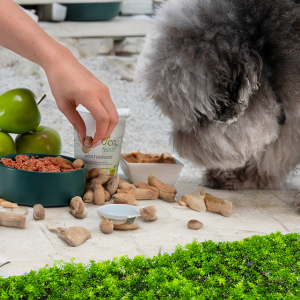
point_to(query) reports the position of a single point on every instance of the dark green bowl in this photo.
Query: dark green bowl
(92, 11)
(46, 188)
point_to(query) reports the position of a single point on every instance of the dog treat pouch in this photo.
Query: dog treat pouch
(107, 154)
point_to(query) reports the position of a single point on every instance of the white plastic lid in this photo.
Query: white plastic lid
(121, 111)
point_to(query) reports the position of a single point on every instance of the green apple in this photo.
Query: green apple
(42, 140)
(7, 145)
(19, 112)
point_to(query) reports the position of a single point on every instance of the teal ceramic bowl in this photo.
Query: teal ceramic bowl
(46, 188)
(92, 11)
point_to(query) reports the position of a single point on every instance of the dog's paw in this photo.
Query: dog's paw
(220, 179)
(236, 179)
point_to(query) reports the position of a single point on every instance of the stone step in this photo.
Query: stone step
(34, 2)
(118, 27)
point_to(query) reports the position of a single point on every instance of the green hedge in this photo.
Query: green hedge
(260, 267)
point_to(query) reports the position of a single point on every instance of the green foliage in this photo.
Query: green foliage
(260, 267)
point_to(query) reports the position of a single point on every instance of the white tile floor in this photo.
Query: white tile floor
(254, 213)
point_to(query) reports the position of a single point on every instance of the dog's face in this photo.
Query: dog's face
(210, 85)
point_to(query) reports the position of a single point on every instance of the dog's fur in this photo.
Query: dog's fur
(227, 73)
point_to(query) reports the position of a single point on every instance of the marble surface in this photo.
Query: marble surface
(255, 212)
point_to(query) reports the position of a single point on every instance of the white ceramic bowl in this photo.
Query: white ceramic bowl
(118, 213)
(139, 172)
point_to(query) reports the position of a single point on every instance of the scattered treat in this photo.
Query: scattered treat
(99, 194)
(130, 190)
(181, 203)
(12, 220)
(39, 212)
(106, 226)
(74, 235)
(77, 208)
(46, 164)
(112, 184)
(194, 224)
(218, 205)
(124, 198)
(100, 179)
(166, 192)
(107, 195)
(8, 204)
(141, 185)
(148, 213)
(92, 173)
(87, 144)
(194, 202)
(78, 163)
(88, 196)
(137, 157)
(146, 194)
(124, 185)
(126, 226)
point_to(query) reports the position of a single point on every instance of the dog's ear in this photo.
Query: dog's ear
(233, 82)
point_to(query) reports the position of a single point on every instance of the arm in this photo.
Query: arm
(70, 82)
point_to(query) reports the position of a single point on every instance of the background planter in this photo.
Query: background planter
(92, 11)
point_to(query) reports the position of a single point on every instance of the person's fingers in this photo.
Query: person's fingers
(102, 119)
(114, 117)
(74, 118)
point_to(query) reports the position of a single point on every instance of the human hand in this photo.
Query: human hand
(71, 85)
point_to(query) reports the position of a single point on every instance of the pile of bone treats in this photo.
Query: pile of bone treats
(101, 187)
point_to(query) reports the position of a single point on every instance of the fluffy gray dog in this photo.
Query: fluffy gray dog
(227, 73)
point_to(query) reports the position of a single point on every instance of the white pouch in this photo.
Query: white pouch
(106, 155)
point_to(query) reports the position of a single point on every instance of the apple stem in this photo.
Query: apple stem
(44, 96)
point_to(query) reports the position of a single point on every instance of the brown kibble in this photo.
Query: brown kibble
(92, 173)
(78, 163)
(194, 202)
(12, 220)
(77, 208)
(154, 181)
(148, 213)
(106, 226)
(87, 144)
(146, 194)
(194, 224)
(124, 185)
(181, 203)
(218, 205)
(64, 160)
(112, 184)
(7, 204)
(99, 194)
(39, 212)
(124, 199)
(88, 196)
(74, 235)
(100, 179)
(126, 226)
(107, 195)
